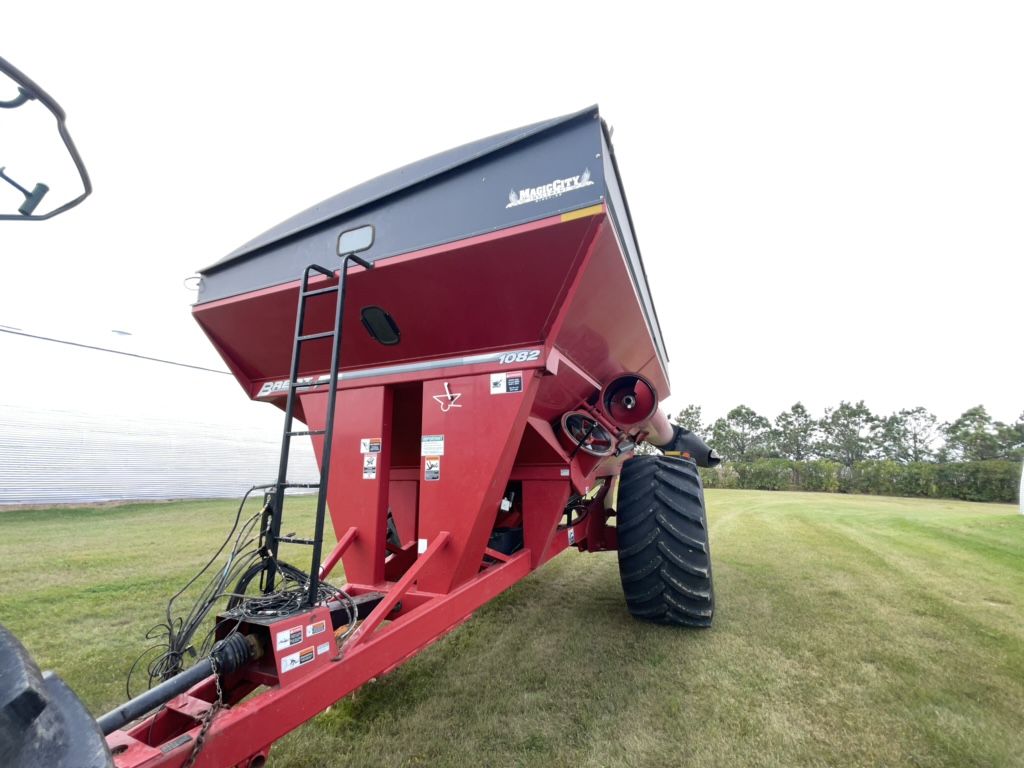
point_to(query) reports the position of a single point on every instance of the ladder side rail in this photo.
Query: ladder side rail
(332, 396)
(289, 413)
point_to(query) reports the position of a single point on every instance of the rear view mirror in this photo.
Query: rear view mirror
(36, 180)
(355, 240)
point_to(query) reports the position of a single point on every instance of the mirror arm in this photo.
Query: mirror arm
(12, 182)
(29, 88)
(22, 97)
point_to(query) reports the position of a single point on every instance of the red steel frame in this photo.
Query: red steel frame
(498, 430)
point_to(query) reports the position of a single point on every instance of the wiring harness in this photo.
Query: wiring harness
(246, 558)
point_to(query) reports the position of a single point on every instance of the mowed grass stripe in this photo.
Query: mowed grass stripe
(851, 631)
(878, 591)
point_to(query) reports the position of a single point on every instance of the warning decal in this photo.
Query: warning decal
(296, 660)
(432, 468)
(506, 382)
(369, 445)
(369, 466)
(316, 629)
(322, 649)
(289, 637)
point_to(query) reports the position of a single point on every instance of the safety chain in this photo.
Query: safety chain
(208, 719)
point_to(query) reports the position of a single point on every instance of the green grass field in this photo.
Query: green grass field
(851, 631)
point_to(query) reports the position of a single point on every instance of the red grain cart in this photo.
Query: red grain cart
(471, 345)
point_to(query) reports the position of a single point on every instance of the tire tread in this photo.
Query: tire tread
(664, 553)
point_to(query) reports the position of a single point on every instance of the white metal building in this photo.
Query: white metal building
(82, 425)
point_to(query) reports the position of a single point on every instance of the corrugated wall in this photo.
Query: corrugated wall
(82, 425)
(49, 457)
(52, 456)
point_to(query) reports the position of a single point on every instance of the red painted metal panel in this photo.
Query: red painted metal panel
(404, 498)
(480, 433)
(301, 644)
(357, 489)
(484, 293)
(544, 501)
(602, 333)
(564, 391)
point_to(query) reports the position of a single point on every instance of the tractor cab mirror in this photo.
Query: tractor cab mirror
(355, 240)
(37, 180)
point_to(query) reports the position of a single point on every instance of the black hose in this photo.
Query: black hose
(226, 657)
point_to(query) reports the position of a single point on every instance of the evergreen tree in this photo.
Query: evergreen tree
(692, 419)
(907, 436)
(795, 433)
(848, 433)
(743, 435)
(976, 437)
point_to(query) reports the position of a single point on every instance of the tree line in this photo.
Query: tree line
(850, 432)
(852, 450)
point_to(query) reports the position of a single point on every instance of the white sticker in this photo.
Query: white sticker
(296, 660)
(564, 472)
(572, 537)
(432, 445)
(289, 637)
(506, 383)
(369, 466)
(432, 468)
(322, 649)
(369, 445)
(421, 546)
(316, 629)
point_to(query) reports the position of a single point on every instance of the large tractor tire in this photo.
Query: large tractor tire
(43, 724)
(664, 557)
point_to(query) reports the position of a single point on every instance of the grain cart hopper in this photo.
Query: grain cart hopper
(471, 346)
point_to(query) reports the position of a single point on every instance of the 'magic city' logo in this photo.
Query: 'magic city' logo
(546, 191)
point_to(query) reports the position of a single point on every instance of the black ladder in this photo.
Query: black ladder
(273, 536)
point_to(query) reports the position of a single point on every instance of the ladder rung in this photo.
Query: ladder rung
(311, 336)
(318, 291)
(307, 432)
(293, 540)
(321, 270)
(297, 485)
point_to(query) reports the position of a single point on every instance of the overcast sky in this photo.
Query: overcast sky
(828, 198)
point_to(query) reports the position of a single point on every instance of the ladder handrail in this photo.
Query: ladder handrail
(332, 396)
(274, 534)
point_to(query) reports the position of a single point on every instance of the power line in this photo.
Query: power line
(114, 351)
